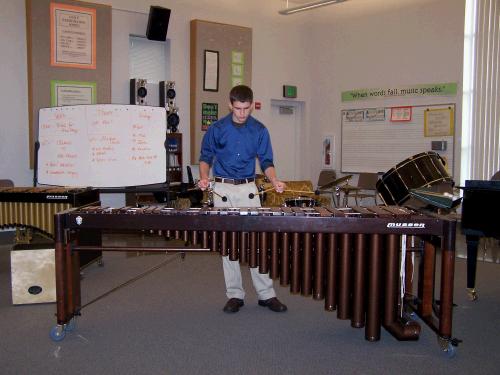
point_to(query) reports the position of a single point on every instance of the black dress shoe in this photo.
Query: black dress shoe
(233, 305)
(274, 304)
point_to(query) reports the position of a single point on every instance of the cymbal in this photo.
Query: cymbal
(336, 182)
(347, 188)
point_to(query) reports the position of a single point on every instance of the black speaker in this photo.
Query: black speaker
(173, 121)
(158, 23)
(138, 91)
(167, 94)
(167, 100)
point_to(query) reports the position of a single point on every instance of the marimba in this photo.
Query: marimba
(348, 257)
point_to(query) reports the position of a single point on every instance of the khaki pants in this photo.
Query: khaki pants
(239, 196)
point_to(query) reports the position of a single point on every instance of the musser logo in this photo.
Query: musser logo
(406, 225)
(57, 197)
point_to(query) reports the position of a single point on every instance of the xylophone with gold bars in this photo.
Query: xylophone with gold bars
(348, 257)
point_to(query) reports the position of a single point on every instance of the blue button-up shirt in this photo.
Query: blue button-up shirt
(231, 149)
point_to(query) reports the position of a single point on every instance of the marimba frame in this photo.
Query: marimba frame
(342, 241)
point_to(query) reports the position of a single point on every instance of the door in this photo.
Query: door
(284, 128)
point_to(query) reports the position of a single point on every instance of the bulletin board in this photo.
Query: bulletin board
(221, 58)
(377, 139)
(69, 58)
(103, 145)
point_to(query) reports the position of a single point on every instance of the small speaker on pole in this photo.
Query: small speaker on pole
(158, 23)
(167, 100)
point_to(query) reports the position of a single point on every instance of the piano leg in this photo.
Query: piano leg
(472, 245)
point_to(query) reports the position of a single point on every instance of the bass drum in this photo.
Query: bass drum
(301, 202)
(421, 170)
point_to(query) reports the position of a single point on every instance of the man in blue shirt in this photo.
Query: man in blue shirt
(230, 147)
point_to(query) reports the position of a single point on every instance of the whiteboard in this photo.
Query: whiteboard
(102, 145)
(377, 139)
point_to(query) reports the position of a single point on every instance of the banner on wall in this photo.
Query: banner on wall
(432, 89)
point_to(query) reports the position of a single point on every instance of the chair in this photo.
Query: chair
(366, 188)
(6, 183)
(326, 176)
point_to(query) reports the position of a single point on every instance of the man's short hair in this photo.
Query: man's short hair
(241, 93)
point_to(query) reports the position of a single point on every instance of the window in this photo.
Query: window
(480, 153)
(148, 59)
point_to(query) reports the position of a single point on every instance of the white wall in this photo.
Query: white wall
(355, 44)
(379, 44)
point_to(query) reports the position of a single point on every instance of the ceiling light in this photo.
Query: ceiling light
(307, 6)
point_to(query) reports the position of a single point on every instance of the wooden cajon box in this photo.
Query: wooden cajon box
(33, 276)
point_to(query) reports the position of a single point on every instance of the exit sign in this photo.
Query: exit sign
(289, 91)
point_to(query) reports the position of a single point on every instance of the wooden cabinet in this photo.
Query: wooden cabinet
(174, 157)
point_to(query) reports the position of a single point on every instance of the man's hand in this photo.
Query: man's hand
(278, 185)
(204, 184)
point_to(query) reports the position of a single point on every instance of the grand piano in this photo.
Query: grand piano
(480, 210)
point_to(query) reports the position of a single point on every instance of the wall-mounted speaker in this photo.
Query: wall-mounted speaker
(158, 23)
(138, 91)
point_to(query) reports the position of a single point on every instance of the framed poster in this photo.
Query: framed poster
(72, 36)
(72, 93)
(211, 71)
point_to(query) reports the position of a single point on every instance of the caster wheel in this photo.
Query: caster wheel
(448, 346)
(71, 325)
(472, 294)
(57, 333)
(450, 351)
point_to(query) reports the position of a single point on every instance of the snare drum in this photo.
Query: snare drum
(301, 202)
(421, 170)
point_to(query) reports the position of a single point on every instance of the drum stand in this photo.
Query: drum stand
(336, 201)
(347, 189)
